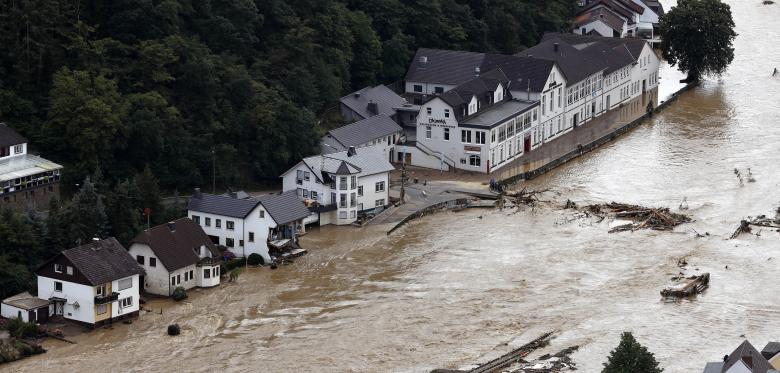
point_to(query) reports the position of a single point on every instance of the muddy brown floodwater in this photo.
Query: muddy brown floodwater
(449, 289)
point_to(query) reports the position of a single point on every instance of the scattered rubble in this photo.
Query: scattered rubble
(559, 362)
(660, 219)
(745, 226)
(694, 285)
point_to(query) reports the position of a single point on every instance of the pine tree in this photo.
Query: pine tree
(631, 357)
(87, 214)
(149, 194)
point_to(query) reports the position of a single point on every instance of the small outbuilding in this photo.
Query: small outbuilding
(27, 307)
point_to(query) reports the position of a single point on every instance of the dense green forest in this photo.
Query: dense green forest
(147, 94)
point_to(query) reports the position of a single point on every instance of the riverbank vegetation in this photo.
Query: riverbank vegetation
(697, 36)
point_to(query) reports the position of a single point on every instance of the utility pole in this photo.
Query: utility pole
(213, 171)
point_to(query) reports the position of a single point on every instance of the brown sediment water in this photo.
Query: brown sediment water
(449, 289)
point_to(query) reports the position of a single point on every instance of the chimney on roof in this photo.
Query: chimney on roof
(423, 60)
(197, 194)
(233, 194)
(476, 71)
(357, 94)
(95, 239)
(555, 47)
(351, 151)
(373, 108)
(172, 226)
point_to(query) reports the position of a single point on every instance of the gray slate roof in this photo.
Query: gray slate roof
(285, 207)
(222, 205)
(770, 350)
(716, 367)
(614, 52)
(9, 136)
(458, 67)
(103, 261)
(384, 97)
(175, 248)
(749, 356)
(499, 113)
(364, 131)
(367, 161)
(574, 64)
(482, 86)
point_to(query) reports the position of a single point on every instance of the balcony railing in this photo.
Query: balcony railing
(103, 299)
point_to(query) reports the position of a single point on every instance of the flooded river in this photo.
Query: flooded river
(450, 289)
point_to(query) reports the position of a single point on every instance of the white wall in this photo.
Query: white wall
(739, 367)
(370, 195)
(73, 292)
(597, 25)
(289, 182)
(242, 227)
(421, 159)
(10, 312)
(156, 279)
(213, 279)
(131, 292)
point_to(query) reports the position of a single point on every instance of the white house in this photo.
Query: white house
(92, 284)
(602, 21)
(26, 180)
(339, 186)
(249, 225)
(378, 131)
(370, 101)
(27, 307)
(176, 254)
(640, 16)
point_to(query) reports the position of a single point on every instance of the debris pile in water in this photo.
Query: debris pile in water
(660, 219)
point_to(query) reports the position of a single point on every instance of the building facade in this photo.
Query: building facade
(249, 225)
(92, 284)
(27, 181)
(176, 254)
(339, 186)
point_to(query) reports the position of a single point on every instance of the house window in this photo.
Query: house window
(342, 215)
(343, 200)
(139, 259)
(206, 273)
(333, 198)
(480, 137)
(360, 190)
(418, 88)
(313, 196)
(343, 183)
(352, 200)
(218, 223)
(427, 132)
(192, 274)
(102, 308)
(240, 242)
(69, 270)
(186, 276)
(306, 175)
(262, 212)
(57, 286)
(251, 236)
(196, 219)
(215, 271)
(380, 187)
(207, 222)
(229, 242)
(429, 111)
(57, 267)
(152, 262)
(305, 193)
(465, 136)
(18, 149)
(446, 134)
(446, 113)
(173, 280)
(474, 160)
(178, 279)
(299, 177)
(379, 202)
(126, 302)
(438, 89)
(101, 290)
(353, 182)
(125, 283)
(230, 225)
(352, 214)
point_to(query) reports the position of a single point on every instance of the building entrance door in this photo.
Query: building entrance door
(608, 102)
(575, 120)
(59, 308)
(527, 144)
(644, 86)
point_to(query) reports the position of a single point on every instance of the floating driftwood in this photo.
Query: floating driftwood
(758, 221)
(660, 219)
(695, 285)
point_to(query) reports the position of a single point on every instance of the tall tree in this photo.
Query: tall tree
(87, 214)
(697, 36)
(630, 357)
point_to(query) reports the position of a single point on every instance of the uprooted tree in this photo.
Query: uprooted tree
(697, 36)
(631, 357)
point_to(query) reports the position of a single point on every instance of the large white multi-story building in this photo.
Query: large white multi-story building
(339, 186)
(27, 181)
(250, 225)
(469, 116)
(92, 284)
